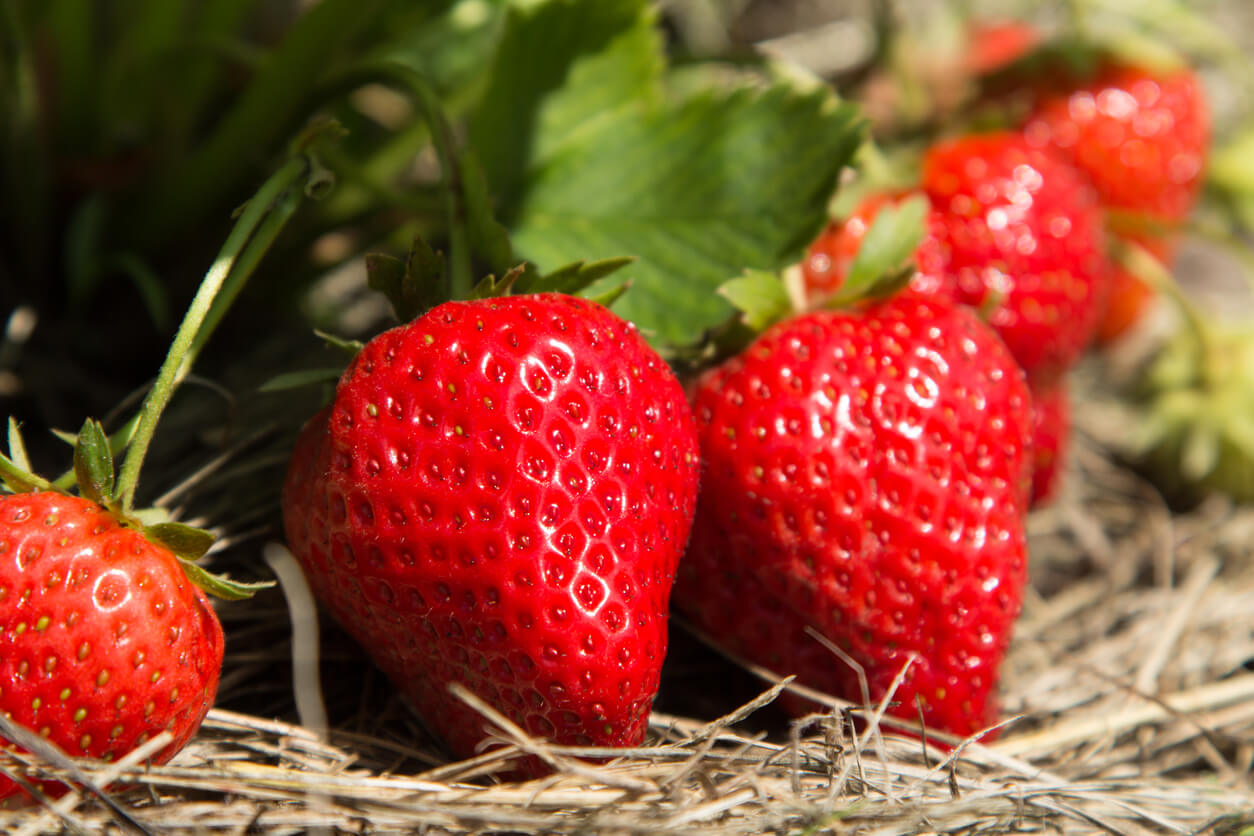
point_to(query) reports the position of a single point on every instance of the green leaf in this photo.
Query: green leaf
(221, 586)
(93, 463)
(886, 250)
(760, 296)
(592, 154)
(187, 542)
(298, 380)
(561, 66)
(17, 448)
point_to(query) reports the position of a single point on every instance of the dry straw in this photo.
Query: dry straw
(1129, 697)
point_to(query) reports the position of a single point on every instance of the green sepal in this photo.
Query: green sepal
(187, 542)
(884, 263)
(607, 296)
(490, 287)
(488, 237)
(350, 347)
(17, 447)
(220, 586)
(574, 278)
(760, 296)
(93, 463)
(20, 480)
(413, 286)
(300, 379)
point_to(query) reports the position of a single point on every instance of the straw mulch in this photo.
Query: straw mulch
(1128, 693)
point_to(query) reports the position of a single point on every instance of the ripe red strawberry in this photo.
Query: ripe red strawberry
(1051, 436)
(499, 497)
(1023, 226)
(867, 469)
(104, 642)
(1142, 138)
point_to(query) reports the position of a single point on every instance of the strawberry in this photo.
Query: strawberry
(104, 642)
(1141, 136)
(993, 45)
(1026, 242)
(499, 496)
(1051, 432)
(867, 470)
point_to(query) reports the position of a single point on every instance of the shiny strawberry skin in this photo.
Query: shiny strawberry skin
(868, 470)
(104, 642)
(1051, 438)
(499, 497)
(1142, 139)
(1022, 225)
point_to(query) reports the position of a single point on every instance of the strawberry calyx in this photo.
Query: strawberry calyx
(420, 281)
(95, 478)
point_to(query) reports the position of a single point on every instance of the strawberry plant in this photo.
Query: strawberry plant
(108, 638)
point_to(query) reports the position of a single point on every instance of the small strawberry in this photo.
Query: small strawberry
(498, 497)
(1141, 136)
(867, 469)
(104, 642)
(1051, 435)
(1026, 242)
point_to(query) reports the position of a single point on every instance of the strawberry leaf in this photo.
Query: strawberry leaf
(221, 586)
(594, 149)
(93, 463)
(185, 541)
(883, 263)
(760, 296)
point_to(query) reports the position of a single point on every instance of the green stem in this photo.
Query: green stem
(251, 234)
(461, 270)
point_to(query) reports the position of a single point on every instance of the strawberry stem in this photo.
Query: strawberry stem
(258, 224)
(461, 270)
